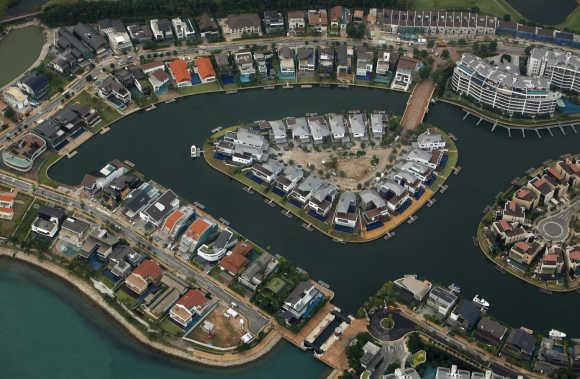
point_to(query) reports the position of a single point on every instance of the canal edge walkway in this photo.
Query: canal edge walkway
(195, 356)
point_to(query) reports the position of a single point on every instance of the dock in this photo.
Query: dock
(249, 190)
(199, 205)
(307, 226)
(71, 154)
(306, 86)
(224, 221)
(443, 188)
(286, 213)
(343, 86)
(431, 202)
(412, 219)
(269, 202)
(215, 130)
(150, 108)
(129, 163)
(388, 236)
(457, 170)
(105, 130)
(270, 87)
(230, 92)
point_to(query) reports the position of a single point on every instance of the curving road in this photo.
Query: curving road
(556, 227)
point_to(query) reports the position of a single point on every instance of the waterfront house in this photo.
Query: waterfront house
(48, 221)
(346, 212)
(543, 189)
(572, 256)
(364, 64)
(302, 193)
(339, 17)
(159, 80)
(357, 125)
(358, 16)
(218, 249)
(299, 128)
(248, 142)
(183, 28)
(224, 67)
(490, 332)
(245, 63)
(551, 265)
(296, 23)
(205, 70)
(306, 57)
(404, 74)
(298, 301)
(373, 207)
(410, 182)
(396, 195)
(157, 211)
(441, 300)
(411, 290)
(150, 67)
(383, 73)
(74, 231)
(64, 63)
(571, 171)
(287, 180)
(513, 212)
(267, 171)
(260, 59)
(90, 38)
(419, 170)
(161, 29)
(236, 26)
(180, 73)
(207, 26)
(337, 127)
(273, 22)
(236, 259)
(431, 140)
(62, 127)
(526, 198)
(319, 129)
(101, 243)
(258, 270)
(35, 85)
(138, 199)
(377, 121)
(429, 158)
(344, 56)
(163, 302)
(140, 33)
(453, 373)
(196, 234)
(326, 61)
(16, 99)
(111, 89)
(176, 223)
(370, 352)
(7, 205)
(509, 232)
(520, 344)
(322, 199)
(147, 273)
(465, 316)
(277, 132)
(193, 303)
(317, 21)
(287, 63)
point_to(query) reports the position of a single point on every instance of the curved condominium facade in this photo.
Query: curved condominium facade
(502, 88)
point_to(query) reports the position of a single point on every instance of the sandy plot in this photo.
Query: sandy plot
(226, 332)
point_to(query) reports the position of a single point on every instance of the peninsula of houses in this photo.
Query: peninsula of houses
(337, 172)
(533, 229)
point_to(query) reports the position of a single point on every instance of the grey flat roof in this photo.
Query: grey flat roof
(345, 201)
(370, 196)
(336, 121)
(75, 225)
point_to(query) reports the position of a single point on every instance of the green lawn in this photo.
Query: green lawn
(23, 228)
(418, 358)
(126, 299)
(199, 88)
(493, 7)
(171, 328)
(42, 172)
(572, 22)
(21, 204)
(453, 156)
(107, 113)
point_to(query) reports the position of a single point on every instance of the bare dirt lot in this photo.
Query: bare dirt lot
(345, 167)
(226, 332)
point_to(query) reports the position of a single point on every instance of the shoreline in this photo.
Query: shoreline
(228, 360)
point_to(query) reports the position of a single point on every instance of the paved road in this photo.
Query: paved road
(418, 105)
(556, 227)
(256, 320)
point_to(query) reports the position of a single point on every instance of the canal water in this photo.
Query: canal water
(550, 12)
(18, 50)
(51, 331)
(437, 246)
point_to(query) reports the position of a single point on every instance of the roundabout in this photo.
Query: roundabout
(389, 325)
(556, 227)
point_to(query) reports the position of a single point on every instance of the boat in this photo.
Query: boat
(150, 108)
(454, 288)
(170, 101)
(194, 151)
(481, 302)
(556, 334)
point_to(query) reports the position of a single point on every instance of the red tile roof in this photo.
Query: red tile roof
(233, 263)
(556, 174)
(242, 248)
(7, 196)
(173, 219)
(522, 246)
(160, 75)
(149, 269)
(197, 228)
(575, 254)
(204, 67)
(505, 225)
(180, 71)
(192, 298)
